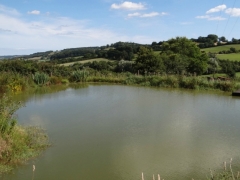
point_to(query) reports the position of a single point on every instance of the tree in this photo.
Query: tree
(223, 39)
(175, 63)
(186, 55)
(213, 37)
(213, 65)
(148, 61)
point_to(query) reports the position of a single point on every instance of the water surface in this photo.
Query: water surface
(117, 132)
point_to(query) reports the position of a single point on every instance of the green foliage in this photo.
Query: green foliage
(181, 54)
(14, 82)
(173, 81)
(7, 109)
(40, 78)
(79, 76)
(55, 80)
(64, 81)
(17, 144)
(148, 61)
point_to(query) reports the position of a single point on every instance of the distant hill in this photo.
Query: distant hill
(9, 57)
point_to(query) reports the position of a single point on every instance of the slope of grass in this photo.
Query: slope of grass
(221, 48)
(85, 61)
(231, 57)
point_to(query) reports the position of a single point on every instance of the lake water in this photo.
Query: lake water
(105, 132)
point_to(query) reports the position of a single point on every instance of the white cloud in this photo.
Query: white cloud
(164, 14)
(9, 11)
(34, 12)
(203, 17)
(136, 14)
(146, 15)
(211, 18)
(233, 12)
(217, 9)
(217, 18)
(186, 23)
(127, 5)
(52, 33)
(152, 14)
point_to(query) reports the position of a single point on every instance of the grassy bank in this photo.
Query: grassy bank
(13, 82)
(173, 81)
(17, 143)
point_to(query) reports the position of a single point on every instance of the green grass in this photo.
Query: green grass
(17, 144)
(238, 74)
(157, 52)
(216, 75)
(221, 48)
(231, 57)
(85, 61)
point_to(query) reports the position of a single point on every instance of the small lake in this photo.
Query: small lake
(104, 132)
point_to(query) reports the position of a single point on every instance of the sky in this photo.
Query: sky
(28, 26)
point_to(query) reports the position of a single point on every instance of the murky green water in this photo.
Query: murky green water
(105, 132)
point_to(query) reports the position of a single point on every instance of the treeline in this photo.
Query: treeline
(37, 54)
(178, 56)
(213, 40)
(116, 51)
(75, 52)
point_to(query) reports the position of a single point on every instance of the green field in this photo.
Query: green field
(221, 48)
(231, 57)
(85, 61)
(157, 52)
(35, 58)
(217, 49)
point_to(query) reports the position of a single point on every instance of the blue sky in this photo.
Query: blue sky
(28, 26)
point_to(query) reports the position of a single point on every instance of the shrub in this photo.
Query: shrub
(64, 81)
(79, 76)
(40, 78)
(17, 144)
(55, 80)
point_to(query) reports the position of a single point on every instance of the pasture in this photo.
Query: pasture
(231, 57)
(221, 48)
(85, 61)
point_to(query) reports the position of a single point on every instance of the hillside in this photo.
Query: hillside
(225, 52)
(217, 49)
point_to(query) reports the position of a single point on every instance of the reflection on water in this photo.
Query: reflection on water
(117, 132)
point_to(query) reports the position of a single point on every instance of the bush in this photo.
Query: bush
(40, 78)
(64, 81)
(55, 80)
(17, 144)
(14, 82)
(79, 76)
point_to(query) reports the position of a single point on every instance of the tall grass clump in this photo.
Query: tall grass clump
(225, 85)
(40, 78)
(17, 144)
(55, 80)
(186, 82)
(79, 76)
